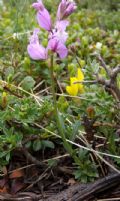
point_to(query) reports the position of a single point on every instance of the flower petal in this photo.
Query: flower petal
(44, 19)
(72, 90)
(81, 88)
(62, 50)
(80, 75)
(58, 47)
(52, 44)
(61, 25)
(37, 51)
(73, 80)
(38, 5)
(65, 8)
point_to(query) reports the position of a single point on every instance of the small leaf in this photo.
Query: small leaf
(28, 83)
(28, 144)
(61, 122)
(37, 145)
(76, 127)
(9, 72)
(8, 157)
(48, 144)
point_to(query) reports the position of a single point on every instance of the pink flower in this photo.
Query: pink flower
(59, 32)
(65, 8)
(57, 36)
(35, 49)
(38, 5)
(61, 25)
(61, 36)
(43, 16)
(58, 47)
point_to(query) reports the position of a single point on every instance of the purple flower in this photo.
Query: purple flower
(35, 49)
(58, 47)
(59, 32)
(60, 36)
(61, 25)
(38, 5)
(43, 16)
(57, 36)
(65, 8)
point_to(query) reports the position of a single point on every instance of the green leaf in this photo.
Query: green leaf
(9, 72)
(28, 144)
(37, 145)
(8, 157)
(49, 144)
(67, 146)
(76, 127)
(28, 83)
(52, 163)
(61, 123)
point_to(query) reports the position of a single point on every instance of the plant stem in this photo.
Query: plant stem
(61, 130)
(53, 84)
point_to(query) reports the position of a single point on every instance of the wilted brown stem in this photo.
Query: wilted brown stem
(111, 83)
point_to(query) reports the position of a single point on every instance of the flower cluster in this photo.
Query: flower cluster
(57, 34)
(75, 86)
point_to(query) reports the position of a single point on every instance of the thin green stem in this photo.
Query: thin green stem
(57, 115)
(53, 83)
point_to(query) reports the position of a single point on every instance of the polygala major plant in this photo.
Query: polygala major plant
(57, 37)
(57, 33)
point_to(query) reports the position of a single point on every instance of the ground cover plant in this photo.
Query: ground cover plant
(60, 94)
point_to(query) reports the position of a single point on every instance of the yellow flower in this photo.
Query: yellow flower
(75, 87)
(80, 78)
(80, 75)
